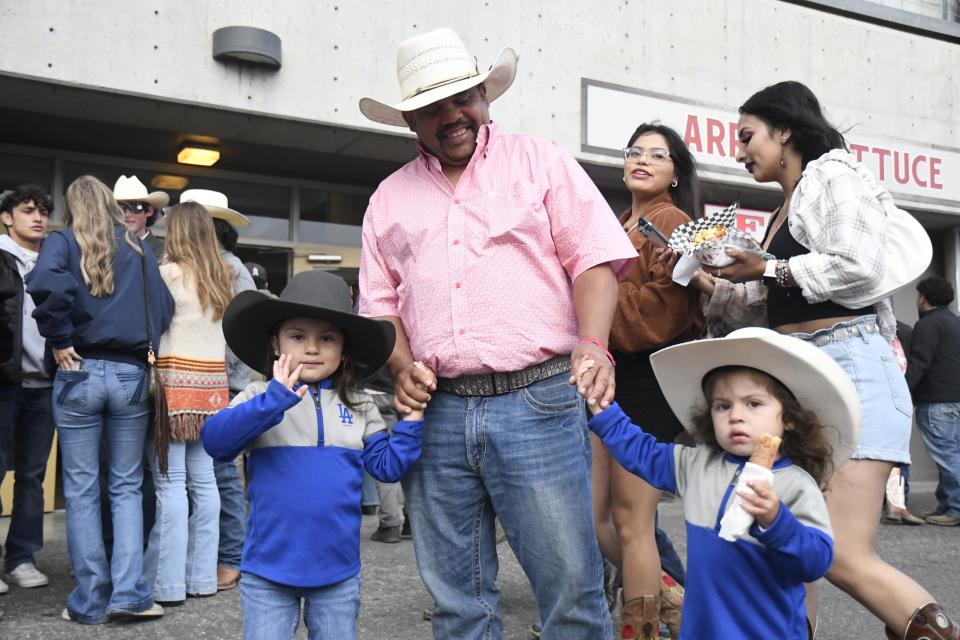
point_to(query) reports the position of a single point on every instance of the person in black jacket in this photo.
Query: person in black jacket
(933, 375)
(98, 299)
(26, 421)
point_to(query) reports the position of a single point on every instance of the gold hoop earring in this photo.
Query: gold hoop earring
(674, 184)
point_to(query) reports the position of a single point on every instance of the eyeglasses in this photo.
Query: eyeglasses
(134, 207)
(655, 155)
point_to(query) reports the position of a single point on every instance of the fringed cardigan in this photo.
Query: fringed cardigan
(191, 362)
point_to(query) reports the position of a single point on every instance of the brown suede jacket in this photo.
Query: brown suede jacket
(652, 310)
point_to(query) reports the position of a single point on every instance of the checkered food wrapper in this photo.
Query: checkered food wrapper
(706, 239)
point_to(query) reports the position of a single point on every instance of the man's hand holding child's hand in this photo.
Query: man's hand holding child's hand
(764, 505)
(415, 384)
(585, 365)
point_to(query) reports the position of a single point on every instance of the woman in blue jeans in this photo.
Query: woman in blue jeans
(181, 557)
(92, 306)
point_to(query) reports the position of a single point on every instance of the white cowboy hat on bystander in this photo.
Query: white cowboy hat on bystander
(216, 203)
(132, 190)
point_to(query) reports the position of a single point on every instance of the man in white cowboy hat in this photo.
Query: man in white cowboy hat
(232, 506)
(140, 210)
(496, 258)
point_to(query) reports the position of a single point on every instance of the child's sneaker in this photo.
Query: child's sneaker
(27, 576)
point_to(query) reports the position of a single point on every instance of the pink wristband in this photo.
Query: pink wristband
(602, 348)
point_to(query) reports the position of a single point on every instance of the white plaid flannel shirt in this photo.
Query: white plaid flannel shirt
(838, 211)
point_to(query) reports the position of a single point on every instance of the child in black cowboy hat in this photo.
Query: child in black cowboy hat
(310, 433)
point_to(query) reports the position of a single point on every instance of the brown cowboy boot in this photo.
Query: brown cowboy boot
(640, 619)
(671, 603)
(929, 622)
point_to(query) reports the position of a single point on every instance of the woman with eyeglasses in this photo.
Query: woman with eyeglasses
(828, 238)
(95, 294)
(652, 312)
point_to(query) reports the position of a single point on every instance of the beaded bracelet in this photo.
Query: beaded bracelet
(780, 273)
(596, 342)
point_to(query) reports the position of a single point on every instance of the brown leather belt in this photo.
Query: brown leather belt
(494, 384)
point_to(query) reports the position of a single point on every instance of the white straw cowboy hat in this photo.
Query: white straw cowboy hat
(434, 66)
(132, 190)
(813, 377)
(216, 203)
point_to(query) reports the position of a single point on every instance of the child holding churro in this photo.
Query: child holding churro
(750, 393)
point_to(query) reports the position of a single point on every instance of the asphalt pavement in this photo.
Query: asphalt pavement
(393, 598)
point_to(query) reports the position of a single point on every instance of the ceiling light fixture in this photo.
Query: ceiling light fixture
(173, 183)
(324, 258)
(201, 156)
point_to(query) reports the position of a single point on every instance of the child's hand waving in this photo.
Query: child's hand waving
(283, 375)
(763, 505)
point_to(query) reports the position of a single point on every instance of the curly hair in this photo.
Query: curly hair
(28, 193)
(937, 291)
(804, 442)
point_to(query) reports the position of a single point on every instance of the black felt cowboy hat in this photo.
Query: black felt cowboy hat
(251, 319)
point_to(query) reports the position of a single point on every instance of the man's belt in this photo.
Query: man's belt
(494, 384)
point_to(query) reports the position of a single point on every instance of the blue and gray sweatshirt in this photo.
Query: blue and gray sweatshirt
(748, 589)
(305, 468)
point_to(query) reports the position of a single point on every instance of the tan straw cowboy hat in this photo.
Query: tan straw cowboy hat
(132, 190)
(216, 203)
(813, 377)
(434, 66)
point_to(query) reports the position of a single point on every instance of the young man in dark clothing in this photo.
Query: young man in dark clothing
(26, 419)
(933, 374)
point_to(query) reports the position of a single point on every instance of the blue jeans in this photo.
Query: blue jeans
(525, 458)
(669, 560)
(233, 514)
(939, 424)
(26, 434)
(271, 611)
(181, 556)
(111, 397)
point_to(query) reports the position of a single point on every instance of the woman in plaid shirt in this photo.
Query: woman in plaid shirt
(829, 238)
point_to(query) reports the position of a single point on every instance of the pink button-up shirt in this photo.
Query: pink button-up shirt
(481, 274)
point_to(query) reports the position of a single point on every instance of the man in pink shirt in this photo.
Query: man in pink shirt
(497, 260)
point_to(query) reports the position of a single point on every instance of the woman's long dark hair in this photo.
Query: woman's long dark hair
(686, 195)
(791, 105)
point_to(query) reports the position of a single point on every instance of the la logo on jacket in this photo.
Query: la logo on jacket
(345, 416)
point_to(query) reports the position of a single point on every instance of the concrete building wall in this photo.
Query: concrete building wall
(886, 82)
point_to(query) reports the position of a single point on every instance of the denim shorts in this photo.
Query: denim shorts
(857, 346)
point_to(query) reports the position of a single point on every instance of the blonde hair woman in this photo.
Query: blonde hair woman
(182, 553)
(95, 295)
